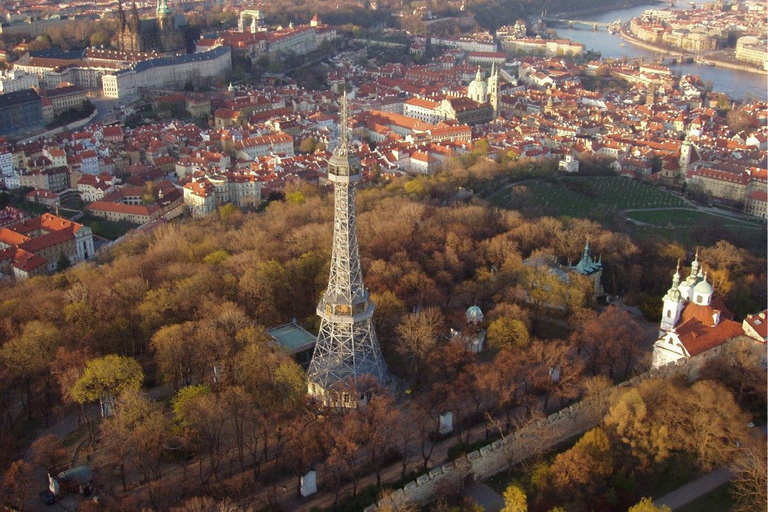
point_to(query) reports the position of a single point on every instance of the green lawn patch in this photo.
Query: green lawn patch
(686, 218)
(106, 228)
(589, 196)
(603, 198)
(67, 214)
(33, 208)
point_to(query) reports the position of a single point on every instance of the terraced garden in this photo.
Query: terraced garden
(623, 204)
(593, 197)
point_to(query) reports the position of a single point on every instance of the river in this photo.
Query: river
(737, 84)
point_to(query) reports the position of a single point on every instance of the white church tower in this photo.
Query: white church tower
(673, 304)
(493, 90)
(686, 287)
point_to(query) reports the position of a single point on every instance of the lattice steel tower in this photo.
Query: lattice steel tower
(346, 346)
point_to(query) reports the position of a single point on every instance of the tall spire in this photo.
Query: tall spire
(346, 348)
(120, 15)
(135, 15)
(673, 294)
(344, 125)
(694, 276)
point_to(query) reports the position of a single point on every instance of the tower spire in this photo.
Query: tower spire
(673, 303)
(346, 348)
(344, 124)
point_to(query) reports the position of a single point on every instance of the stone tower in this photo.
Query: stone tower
(347, 348)
(160, 34)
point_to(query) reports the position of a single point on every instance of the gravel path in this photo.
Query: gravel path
(485, 496)
(695, 489)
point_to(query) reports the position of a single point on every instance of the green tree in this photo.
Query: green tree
(296, 197)
(227, 211)
(174, 353)
(308, 145)
(182, 400)
(515, 499)
(507, 331)
(646, 505)
(415, 187)
(63, 262)
(480, 147)
(216, 257)
(290, 382)
(104, 379)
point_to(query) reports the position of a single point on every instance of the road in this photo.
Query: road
(107, 108)
(697, 488)
(706, 484)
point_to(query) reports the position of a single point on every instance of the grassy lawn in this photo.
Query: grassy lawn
(601, 198)
(719, 500)
(684, 218)
(107, 229)
(33, 208)
(67, 214)
(593, 197)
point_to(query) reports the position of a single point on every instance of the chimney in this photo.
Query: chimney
(715, 317)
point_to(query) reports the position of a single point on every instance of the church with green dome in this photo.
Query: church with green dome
(590, 268)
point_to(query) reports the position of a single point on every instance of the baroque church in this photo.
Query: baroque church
(481, 105)
(694, 319)
(163, 34)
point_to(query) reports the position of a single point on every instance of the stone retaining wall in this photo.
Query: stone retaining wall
(534, 438)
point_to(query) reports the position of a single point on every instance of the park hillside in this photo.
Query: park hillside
(167, 329)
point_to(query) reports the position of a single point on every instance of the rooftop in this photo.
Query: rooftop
(293, 337)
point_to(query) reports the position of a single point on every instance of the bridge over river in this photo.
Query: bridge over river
(615, 26)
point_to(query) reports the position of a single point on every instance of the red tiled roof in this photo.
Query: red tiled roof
(704, 313)
(759, 323)
(698, 337)
(26, 261)
(41, 242)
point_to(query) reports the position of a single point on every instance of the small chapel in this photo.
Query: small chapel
(694, 319)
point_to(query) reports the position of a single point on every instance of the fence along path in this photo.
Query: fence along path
(537, 437)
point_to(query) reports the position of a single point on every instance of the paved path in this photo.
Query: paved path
(695, 489)
(483, 495)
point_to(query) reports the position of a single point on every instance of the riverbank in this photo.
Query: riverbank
(625, 35)
(607, 8)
